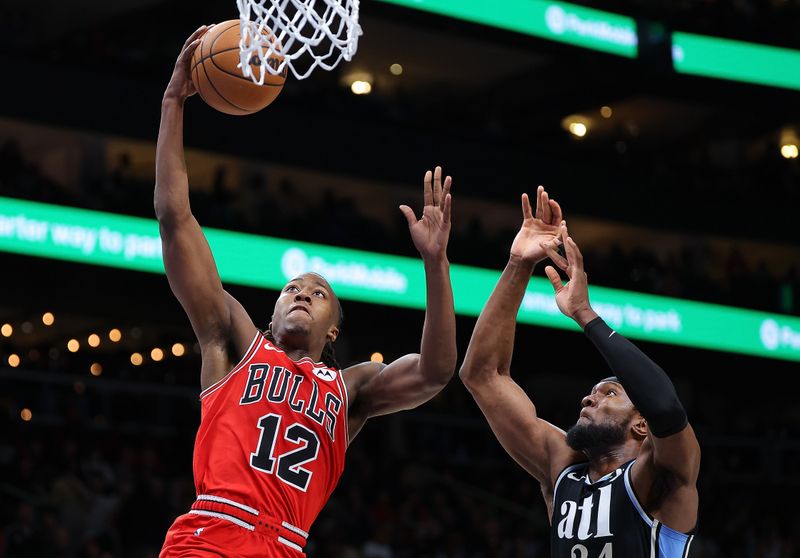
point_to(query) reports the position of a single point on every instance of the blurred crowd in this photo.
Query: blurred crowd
(690, 271)
(431, 483)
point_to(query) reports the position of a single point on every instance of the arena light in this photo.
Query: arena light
(96, 369)
(6, 330)
(577, 129)
(137, 359)
(789, 151)
(361, 87)
(178, 349)
(576, 125)
(703, 55)
(556, 21)
(73, 345)
(13, 360)
(115, 335)
(36, 229)
(48, 318)
(396, 69)
(157, 354)
(606, 112)
(26, 414)
(93, 340)
(376, 357)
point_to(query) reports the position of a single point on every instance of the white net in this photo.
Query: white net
(298, 34)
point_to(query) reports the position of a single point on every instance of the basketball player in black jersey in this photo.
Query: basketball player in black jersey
(621, 483)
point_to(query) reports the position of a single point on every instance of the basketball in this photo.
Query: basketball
(219, 80)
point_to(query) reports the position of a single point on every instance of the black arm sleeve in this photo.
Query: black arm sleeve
(648, 386)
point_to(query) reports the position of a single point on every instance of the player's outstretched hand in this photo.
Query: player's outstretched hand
(431, 232)
(572, 298)
(538, 228)
(180, 84)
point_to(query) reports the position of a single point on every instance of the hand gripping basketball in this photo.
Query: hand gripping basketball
(180, 84)
(217, 74)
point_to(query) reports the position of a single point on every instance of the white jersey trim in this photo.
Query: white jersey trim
(632, 495)
(247, 356)
(290, 544)
(226, 517)
(270, 346)
(295, 530)
(688, 544)
(563, 474)
(221, 500)
(346, 410)
(653, 538)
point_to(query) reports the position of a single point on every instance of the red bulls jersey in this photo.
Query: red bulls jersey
(273, 435)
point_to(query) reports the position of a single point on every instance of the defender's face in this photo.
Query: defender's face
(607, 404)
(306, 306)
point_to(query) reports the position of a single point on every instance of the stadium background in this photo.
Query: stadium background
(687, 190)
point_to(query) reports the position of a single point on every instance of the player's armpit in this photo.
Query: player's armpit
(378, 389)
(664, 478)
(536, 445)
(677, 455)
(398, 386)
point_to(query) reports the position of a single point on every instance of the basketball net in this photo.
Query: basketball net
(303, 34)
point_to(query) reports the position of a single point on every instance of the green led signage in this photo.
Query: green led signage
(92, 237)
(557, 21)
(735, 60)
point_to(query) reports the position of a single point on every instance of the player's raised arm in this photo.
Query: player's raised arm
(536, 445)
(669, 461)
(415, 378)
(218, 320)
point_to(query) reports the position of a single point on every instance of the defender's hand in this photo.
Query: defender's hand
(538, 229)
(431, 232)
(180, 84)
(572, 298)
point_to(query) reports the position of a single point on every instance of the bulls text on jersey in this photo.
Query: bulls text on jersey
(283, 387)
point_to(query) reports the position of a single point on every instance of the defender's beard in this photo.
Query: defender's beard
(595, 438)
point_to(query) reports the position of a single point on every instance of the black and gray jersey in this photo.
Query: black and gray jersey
(603, 519)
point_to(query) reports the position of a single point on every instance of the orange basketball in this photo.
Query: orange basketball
(219, 80)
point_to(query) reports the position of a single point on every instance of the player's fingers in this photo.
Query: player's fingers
(550, 248)
(408, 213)
(186, 53)
(437, 185)
(546, 212)
(428, 194)
(555, 278)
(197, 34)
(539, 192)
(527, 213)
(556, 210)
(448, 203)
(445, 191)
(576, 253)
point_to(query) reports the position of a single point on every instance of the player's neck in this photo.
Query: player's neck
(298, 351)
(299, 354)
(601, 464)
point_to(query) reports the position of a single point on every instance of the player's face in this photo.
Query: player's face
(306, 307)
(608, 403)
(605, 420)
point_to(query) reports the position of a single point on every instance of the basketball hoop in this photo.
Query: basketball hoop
(303, 34)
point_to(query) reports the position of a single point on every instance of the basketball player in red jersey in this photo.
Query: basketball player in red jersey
(275, 420)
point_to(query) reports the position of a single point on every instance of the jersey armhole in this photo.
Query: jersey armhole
(632, 496)
(340, 378)
(247, 356)
(567, 470)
